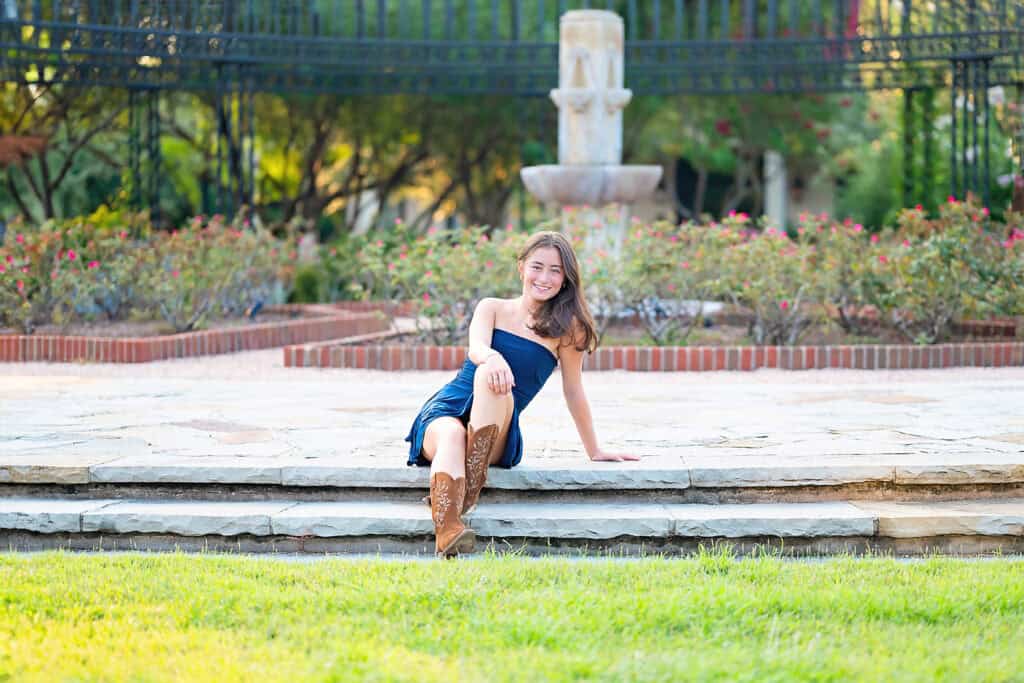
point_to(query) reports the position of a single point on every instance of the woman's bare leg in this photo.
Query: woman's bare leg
(490, 408)
(444, 445)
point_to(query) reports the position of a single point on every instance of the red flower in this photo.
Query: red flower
(21, 286)
(19, 238)
(783, 304)
(723, 126)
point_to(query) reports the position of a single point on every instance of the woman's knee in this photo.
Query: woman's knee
(451, 432)
(444, 431)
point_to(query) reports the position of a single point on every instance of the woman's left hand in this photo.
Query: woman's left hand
(613, 457)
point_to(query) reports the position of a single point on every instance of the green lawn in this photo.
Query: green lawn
(136, 617)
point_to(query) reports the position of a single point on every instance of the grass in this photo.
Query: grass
(139, 617)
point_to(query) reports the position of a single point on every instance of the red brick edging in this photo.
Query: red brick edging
(681, 358)
(326, 322)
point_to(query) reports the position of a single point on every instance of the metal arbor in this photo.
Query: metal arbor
(234, 48)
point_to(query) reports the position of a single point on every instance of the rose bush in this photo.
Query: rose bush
(933, 272)
(445, 273)
(777, 278)
(115, 266)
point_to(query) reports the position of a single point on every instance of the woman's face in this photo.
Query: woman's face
(542, 273)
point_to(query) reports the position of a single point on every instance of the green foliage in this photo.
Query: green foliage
(309, 285)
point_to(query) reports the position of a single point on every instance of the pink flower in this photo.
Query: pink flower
(918, 208)
(392, 265)
(984, 210)
(858, 227)
(333, 251)
(783, 304)
(9, 258)
(53, 275)
(874, 239)
(432, 230)
(19, 238)
(428, 273)
(800, 231)
(951, 199)
(685, 264)
(673, 238)
(175, 273)
(403, 256)
(489, 264)
(94, 264)
(71, 254)
(3, 268)
(906, 243)
(426, 298)
(638, 234)
(883, 259)
(380, 243)
(123, 234)
(21, 286)
(671, 287)
(24, 269)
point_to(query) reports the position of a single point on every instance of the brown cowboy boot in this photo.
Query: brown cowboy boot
(451, 535)
(479, 443)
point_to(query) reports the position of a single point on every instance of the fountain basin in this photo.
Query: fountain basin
(590, 185)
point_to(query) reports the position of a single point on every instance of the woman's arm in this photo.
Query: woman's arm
(481, 329)
(571, 361)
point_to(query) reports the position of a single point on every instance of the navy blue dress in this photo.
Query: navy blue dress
(531, 363)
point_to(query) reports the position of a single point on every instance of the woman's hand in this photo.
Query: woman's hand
(613, 457)
(499, 375)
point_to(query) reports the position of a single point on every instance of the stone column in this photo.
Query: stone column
(776, 188)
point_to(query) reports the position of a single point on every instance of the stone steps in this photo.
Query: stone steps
(739, 479)
(966, 526)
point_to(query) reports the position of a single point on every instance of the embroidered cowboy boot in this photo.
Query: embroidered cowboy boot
(451, 535)
(479, 443)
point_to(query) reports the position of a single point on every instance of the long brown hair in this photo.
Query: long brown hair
(556, 315)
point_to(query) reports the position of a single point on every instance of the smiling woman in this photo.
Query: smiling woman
(515, 344)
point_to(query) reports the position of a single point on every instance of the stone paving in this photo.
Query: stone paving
(246, 419)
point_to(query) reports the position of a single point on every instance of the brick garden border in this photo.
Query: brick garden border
(681, 358)
(322, 322)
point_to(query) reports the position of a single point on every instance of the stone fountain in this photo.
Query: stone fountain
(590, 98)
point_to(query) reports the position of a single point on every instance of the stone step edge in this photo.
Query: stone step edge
(684, 358)
(992, 469)
(512, 520)
(323, 323)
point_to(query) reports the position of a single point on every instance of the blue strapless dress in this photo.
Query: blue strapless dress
(531, 363)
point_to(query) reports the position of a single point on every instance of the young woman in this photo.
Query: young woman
(514, 345)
